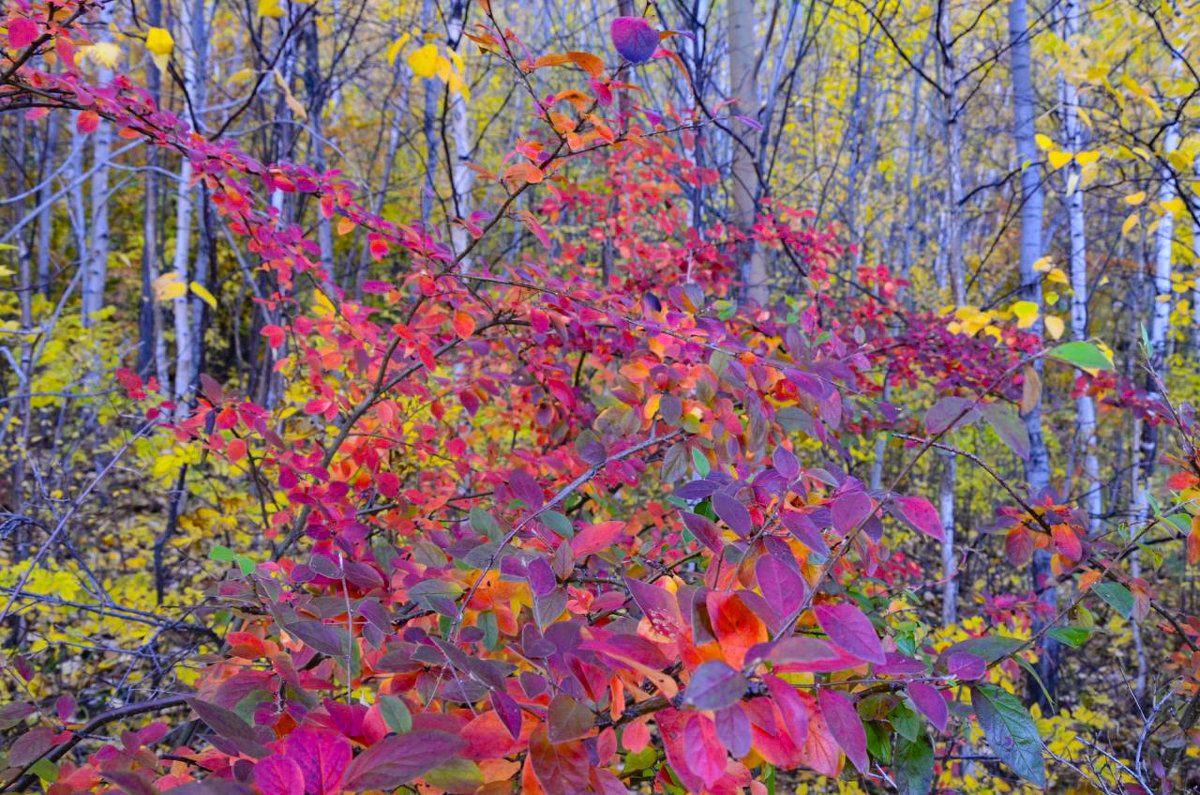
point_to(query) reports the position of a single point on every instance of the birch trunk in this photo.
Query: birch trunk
(743, 53)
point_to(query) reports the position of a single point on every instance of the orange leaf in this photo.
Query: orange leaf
(737, 627)
(1067, 542)
(246, 645)
(464, 324)
(1193, 542)
(524, 172)
(236, 450)
(588, 62)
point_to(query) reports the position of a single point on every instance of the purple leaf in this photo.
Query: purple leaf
(846, 727)
(704, 531)
(715, 685)
(781, 586)
(966, 666)
(851, 631)
(568, 719)
(733, 513)
(510, 714)
(733, 730)
(946, 412)
(634, 39)
(804, 528)
(785, 463)
(849, 510)
(931, 704)
(920, 514)
(398, 759)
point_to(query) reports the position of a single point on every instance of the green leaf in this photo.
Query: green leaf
(700, 462)
(1084, 355)
(245, 563)
(483, 523)
(1118, 597)
(45, 770)
(1010, 731)
(560, 524)
(912, 765)
(907, 723)
(1072, 636)
(219, 552)
(395, 714)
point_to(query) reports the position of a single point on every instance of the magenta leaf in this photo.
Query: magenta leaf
(851, 631)
(733, 730)
(930, 702)
(917, 512)
(322, 757)
(791, 707)
(634, 39)
(278, 775)
(702, 750)
(966, 666)
(398, 759)
(715, 685)
(846, 727)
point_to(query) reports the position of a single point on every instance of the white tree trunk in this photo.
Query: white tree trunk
(95, 272)
(743, 52)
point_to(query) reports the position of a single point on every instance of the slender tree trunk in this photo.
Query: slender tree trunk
(45, 231)
(949, 555)
(462, 176)
(1085, 409)
(952, 255)
(95, 272)
(743, 53)
(315, 88)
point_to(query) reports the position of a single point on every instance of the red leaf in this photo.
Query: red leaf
(87, 121)
(246, 645)
(278, 775)
(379, 249)
(400, 758)
(21, 32)
(921, 515)
(634, 39)
(562, 768)
(1067, 542)
(322, 757)
(847, 627)
(845, 726)
(1019, 544)
(594, 538)
(236, 450)
(702, 751)
(274, 335)
(931, 703)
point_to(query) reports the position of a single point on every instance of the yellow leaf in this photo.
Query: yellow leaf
(1174, 206)
(1026, 312)
(103, 53)
(1086, 158)
(1044, 142)
(270, 8)
(424, 61)
(168, 287)
(1136, 198)
(1054, 326)
(1044, 264)
(159, 41)
(1058, 159)
(161, 45)
(394, 49)
(240, 75)
(204, 294)
(1129, 224)
(1057, 276)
